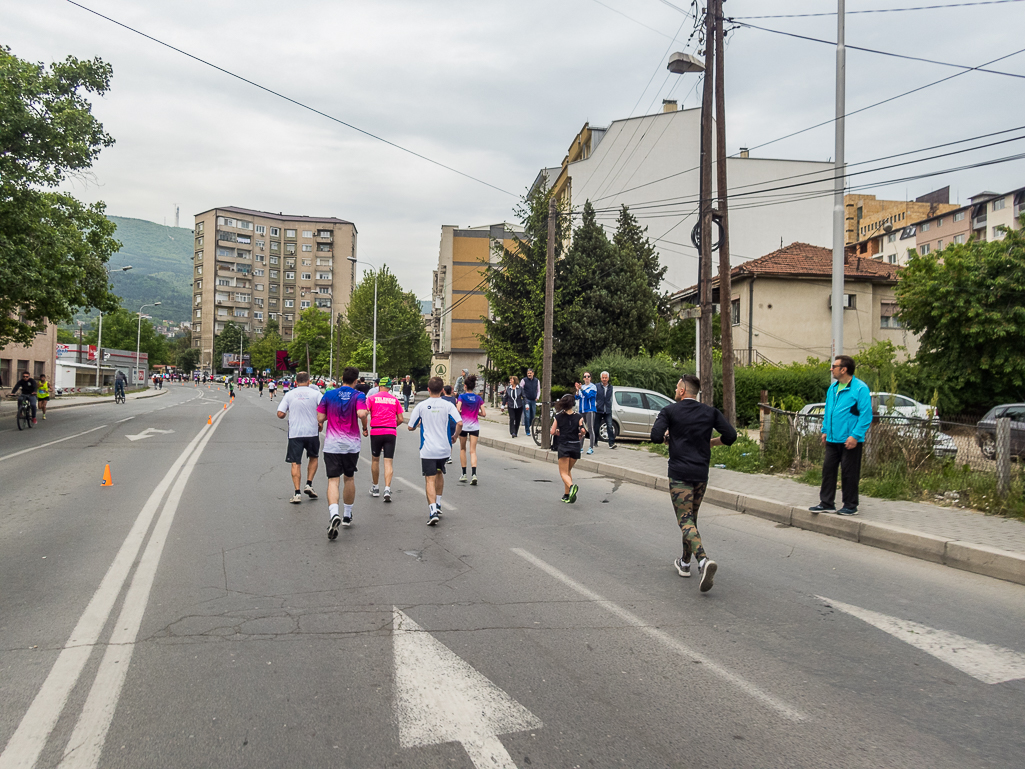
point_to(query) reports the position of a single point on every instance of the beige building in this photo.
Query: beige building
(868, 217)
(255, 266)
(458, 304)
(36, 358)
(781, 305)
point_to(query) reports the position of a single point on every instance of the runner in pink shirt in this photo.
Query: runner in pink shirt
(385, 415)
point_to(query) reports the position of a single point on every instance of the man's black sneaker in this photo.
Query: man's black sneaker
(708, 567)
(683, 569)
(565, 497)
(347, 521)
(332, 530)
(308, 491)
(573, 493)
(847, 511)
(820, 508)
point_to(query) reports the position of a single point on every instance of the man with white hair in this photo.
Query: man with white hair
(603, 408)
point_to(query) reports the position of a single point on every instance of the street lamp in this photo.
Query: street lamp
(138, 339)
(354, 260)
(99, 333)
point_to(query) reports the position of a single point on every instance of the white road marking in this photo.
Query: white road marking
(86, 744)
(988, 663)
(59, 440)
(149, 432)
(29, 739)
(665, 639)
(440, 698)
(123, 420)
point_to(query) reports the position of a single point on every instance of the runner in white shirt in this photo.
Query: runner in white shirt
(439, 422)
(300, 406)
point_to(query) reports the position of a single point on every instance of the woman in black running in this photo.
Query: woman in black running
(568, 427)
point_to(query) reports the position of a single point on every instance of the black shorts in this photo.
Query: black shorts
(433, 466)
(311, 444)
(474, 433)
(385, 443)
(569, 449)
(341, 464)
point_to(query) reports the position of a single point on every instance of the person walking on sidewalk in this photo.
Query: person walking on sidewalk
(459, 381)
(603, 407)
(531, 390)
(300, 406)
(342, 409)
(845, 423)
(568, 428)
(513, 401)
(585, 402)
(471, 409)
(261, 386)
(439, 424)
(385, 416)
(687, 425)
(407, 390)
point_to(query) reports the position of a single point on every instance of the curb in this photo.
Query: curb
(95, 402)
(978, 559)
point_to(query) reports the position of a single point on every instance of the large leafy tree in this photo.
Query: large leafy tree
(264, 350)
(53, 248)
(967, 303)
(310, 340)
(121, 331)
(228, 342)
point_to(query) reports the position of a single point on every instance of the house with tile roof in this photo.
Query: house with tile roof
(781, 306)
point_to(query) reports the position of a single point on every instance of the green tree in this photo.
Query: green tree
(66, 336)
(632, 239)
(264, 350)
(228, 342)
(403, 346)
(310, 340)
(121, 331)
(967, 304)
(187, 360)
(52, 247)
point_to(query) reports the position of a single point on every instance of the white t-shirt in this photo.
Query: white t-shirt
(437, 419)
(300, 404)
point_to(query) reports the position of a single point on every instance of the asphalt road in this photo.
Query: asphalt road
(188, 616)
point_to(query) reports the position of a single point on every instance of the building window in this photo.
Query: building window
(307, 262)
(257, 315)
(289, 289)
(998, 205)
(223, 282)
(959, 216)
(306, 276)
(199, 269)
(199, 285)
(258, 301)
(735, 311)
(260, 244)
(199, 256)
(998, 232)
(224, 222)
(923, 249)
(323, 246)
(289, 233)
(199, 312)
(289, 276)
(289, 303)
(323, 290)
(323, 233)
(891, 238)
(259, 257)
(225, 251)
(888, 315)
(244, 225)
(925, 226)
(273, 273)
(273, 260)
(272, 303)
(273, 289)
(307, 233)
(939, 222)
(275, 246)
(222, 312)
(275, 232)
(959, 238)
(939, 245)
(892, 258)
(258, 286)
(288, 316)
(307, 246)
(290, 263)
(199, 226)
(261, 229)
(258, 272)
(304, 304)
(290, 248)
(323, 276)
(199, 242)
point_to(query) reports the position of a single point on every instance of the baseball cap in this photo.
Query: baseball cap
(384, 381)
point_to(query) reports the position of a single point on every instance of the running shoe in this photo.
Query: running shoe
(590, 451)
(473, 479)
(347, 520)
(683, 569)
(387, 494)
(44, 416)
(332, 530)
(565, 498)
(309, 491)
(707, 567)
(433, 518)
(573, 493)
(375, 491)
(296, 498)
(462, 478)
(847, 510)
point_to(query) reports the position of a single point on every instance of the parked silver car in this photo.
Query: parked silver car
(633, 412)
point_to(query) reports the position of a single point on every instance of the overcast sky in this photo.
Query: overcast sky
(497, 91)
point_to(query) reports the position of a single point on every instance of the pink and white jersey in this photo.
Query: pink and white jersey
(470, 405)
(385, 409)
(342, 431)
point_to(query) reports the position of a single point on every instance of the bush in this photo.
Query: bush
(656, 373)
(794, 385)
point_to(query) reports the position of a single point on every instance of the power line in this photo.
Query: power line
(293, 101)
(631, 18)
(882, 10)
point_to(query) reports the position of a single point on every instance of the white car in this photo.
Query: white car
(943, 445)
(892, 404)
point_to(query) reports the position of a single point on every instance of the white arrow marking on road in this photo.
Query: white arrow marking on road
(440, 698)
(989, 663)
(149, 432)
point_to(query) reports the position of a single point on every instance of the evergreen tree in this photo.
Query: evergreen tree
(630, 236)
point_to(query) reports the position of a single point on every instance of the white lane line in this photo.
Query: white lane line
(785, 710)
(123, 420)
(988, 663)
(30, 738)
(86, 744)
(59, 440)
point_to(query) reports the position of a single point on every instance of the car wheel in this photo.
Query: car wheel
(603, 432)
(988, 445)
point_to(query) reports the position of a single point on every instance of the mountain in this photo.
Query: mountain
(161, 259)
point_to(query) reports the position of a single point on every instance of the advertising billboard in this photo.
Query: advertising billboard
(230, 360)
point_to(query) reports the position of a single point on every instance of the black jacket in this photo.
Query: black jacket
(531, 388)
(690, 425)
(26, 386)
(602, 402)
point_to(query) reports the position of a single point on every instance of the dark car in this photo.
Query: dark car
(986, 430)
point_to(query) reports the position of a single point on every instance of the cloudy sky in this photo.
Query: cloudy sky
(497, 90)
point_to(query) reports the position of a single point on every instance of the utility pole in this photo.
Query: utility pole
(546, 374)
(729, 398)
(839, 223)
(705, 264)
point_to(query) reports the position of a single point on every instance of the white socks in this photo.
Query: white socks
(332, 511)
(437, 499)
(348, 512)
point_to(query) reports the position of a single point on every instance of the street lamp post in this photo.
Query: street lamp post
(138, 339)
(99, 333)
(354, 260)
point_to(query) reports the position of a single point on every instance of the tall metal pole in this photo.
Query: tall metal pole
(546, 373)
(99, 343)
(374, 366)
(705, 278)
(838, 186)
(138, 344)
(729, 398)
(331, 354)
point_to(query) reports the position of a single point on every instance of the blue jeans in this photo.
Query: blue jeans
(609, 426)
(529, 411)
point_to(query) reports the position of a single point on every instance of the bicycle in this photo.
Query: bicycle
(24, 412)
(119, 395)
(535, 427)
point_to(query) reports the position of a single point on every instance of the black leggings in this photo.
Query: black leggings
(515, 415)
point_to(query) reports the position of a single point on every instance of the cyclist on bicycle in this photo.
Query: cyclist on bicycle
(119, 384)
(28, 387)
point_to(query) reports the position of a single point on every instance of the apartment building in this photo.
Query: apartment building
(35, 358)
(868, 217)
(458, 304)
(254, 266)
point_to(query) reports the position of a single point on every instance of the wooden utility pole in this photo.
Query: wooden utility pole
(705, 261)
(546, 373)
(729, 398)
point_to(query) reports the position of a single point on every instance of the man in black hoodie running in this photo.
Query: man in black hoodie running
(688, 425)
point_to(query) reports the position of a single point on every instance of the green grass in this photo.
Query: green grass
(743, 456)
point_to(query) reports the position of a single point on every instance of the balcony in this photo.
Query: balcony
(324, 236)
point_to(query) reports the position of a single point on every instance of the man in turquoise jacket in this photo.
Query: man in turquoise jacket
(846, 420)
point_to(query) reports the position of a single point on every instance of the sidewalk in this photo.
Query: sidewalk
(962, 539)
(9, 406)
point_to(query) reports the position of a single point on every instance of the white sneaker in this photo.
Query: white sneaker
(707, 567)
(375, 491)
(683, 569)
(296, 498)
(387, 494)
(462, 478)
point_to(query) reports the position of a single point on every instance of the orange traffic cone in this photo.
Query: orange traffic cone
(107, 481)
(210, 419)
(225, 405)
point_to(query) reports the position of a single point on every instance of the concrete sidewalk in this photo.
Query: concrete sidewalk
(962, 539)
(9, 405)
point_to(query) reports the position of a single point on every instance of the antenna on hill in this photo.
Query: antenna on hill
(176, 216)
